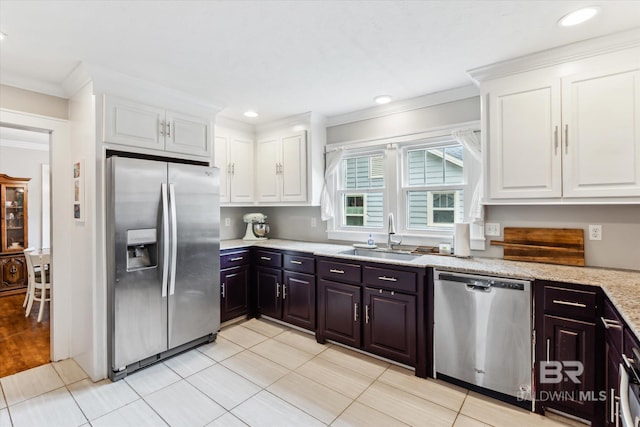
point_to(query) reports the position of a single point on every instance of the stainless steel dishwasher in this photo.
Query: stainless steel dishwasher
(483, 333)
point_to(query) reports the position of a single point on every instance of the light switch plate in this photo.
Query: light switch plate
(492, 229)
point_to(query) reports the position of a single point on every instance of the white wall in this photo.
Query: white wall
(88, 300)
(27, 163)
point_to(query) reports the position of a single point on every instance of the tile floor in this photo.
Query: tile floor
(257, 373)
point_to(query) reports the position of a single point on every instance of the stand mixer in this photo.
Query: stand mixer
(257, 226)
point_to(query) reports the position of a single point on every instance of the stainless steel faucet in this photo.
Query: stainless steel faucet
(392, 230)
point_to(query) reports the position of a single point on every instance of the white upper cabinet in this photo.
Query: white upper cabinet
(234, 156)
(281, 168)
(290, 160)
(135, 124)
(568, 133)
(524, 156)
(601, 118)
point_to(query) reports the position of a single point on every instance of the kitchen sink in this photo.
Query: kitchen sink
(382, 254)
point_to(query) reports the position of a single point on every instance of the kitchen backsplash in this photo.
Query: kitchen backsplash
(619, 247)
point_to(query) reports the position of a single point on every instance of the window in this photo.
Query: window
(421, 179)
(361, 191)
(433, 185)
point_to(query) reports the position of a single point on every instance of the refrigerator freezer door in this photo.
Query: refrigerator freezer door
(138, 320)
(194, 288)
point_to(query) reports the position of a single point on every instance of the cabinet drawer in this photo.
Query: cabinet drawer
(613, 325)
(269, 258)
(390, 279)
(630, 342)
(570, 302)
(300, 263)
(234, 259)
(339, 271)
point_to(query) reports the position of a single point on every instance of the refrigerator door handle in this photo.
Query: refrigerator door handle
(165, 238)
(174, 239)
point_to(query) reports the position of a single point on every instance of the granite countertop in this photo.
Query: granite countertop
(621, 286)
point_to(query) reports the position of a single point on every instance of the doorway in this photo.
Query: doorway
(24, 341)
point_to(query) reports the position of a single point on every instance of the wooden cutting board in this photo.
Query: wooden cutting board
(549, 245)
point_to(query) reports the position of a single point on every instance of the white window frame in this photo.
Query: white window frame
(431, 230)
(394, 196)
(341, 192)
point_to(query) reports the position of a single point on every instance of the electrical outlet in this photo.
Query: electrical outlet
(314, 222)
(595, 232)
(492, 229)
(227, 222)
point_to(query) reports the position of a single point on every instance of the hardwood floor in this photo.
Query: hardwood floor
(24, 343)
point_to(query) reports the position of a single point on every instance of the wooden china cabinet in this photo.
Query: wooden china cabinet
(13, 234)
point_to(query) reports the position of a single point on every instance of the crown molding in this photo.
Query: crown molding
(550, 57)
(113, 82)
(32, 85)
(228, 123)
(405, 105)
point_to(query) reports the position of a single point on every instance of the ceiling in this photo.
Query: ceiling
(282, 58)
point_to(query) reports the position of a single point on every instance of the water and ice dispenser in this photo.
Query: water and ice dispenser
(142, 249)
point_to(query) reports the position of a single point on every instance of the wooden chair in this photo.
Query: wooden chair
(39, 282)
(26, 256)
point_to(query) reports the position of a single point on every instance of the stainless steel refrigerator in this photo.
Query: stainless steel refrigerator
(163, 260)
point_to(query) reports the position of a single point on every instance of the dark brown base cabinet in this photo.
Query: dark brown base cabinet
(339, 312)
(234, 284)
(567, 333)
(390, 325)
(286, 287)
(378, 308)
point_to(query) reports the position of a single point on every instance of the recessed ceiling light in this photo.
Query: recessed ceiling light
(382, 99)
(250, 113)
(578, 17)
(2, 36)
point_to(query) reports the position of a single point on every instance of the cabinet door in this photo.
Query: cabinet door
(339, 308)
(131, 123)
(14, 217)
(242, 169)
(390, 325)
(187, 134)
(267, 170)
(234, 288)
(13, 274)
(524, 154)
(221, 149)
(612, 386)
(269, 283)
(601, 134)
(294, 167)
(299, 300)
(571, 341)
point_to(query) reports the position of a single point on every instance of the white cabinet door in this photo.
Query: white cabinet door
(293, 168)
(221, 148)
(187, 134)
(242, 169)
(131, 123)
(524, 154)
(601, 117)
(268, 183)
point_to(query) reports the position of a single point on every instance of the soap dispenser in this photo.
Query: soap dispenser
(370, 242)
